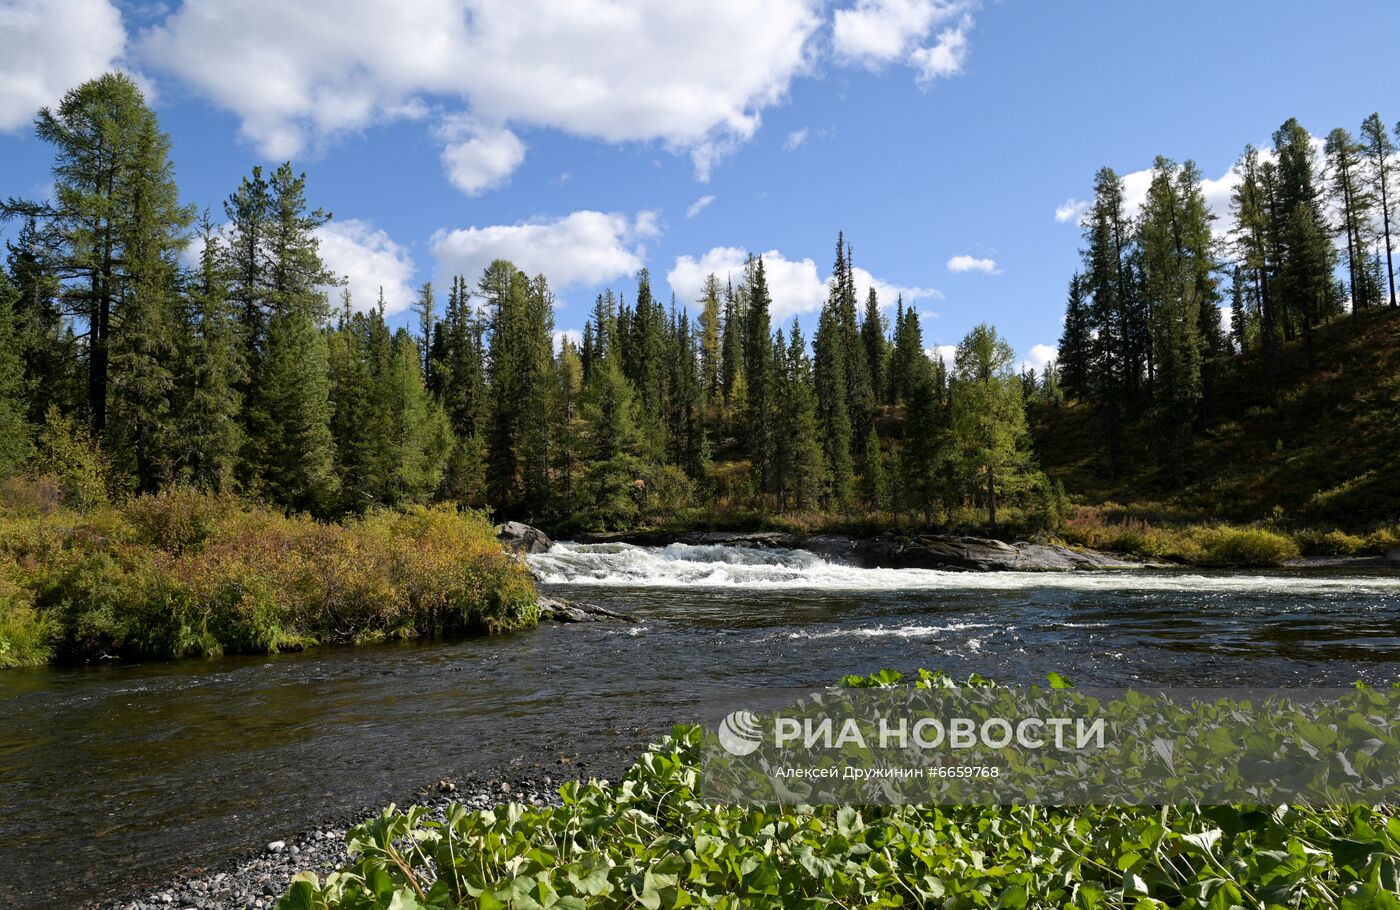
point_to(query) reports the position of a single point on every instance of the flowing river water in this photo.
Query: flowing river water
(114, 778)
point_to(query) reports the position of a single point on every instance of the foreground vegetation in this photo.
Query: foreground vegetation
(187, 573)
(648, 841)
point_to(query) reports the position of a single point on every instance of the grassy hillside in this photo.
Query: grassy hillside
(1327, 458)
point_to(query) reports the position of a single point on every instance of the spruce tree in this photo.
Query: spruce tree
(209, 435)
(801, 469)
(758, 368)
(293, 453)
(831, 387)
(874, 488)
(872, 337)
(1076, 342)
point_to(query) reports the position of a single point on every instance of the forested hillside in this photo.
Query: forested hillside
(253, 372)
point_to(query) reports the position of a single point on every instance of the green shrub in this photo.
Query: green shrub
(26, 635)
(1225, 546)
(1330, 543)
(191, 574)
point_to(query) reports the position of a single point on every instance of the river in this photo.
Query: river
(113, 778)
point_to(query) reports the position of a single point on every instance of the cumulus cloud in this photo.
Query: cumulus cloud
(948, 353)
(581, 248)
(795, 285)
(698, 206)
(478, 159)
(696, 77)
(368, 259)
(50, 46)
(1071, 209)
(1038, 356)
(878, 32)
(795, 139)
(1217, 192)
(965, 263)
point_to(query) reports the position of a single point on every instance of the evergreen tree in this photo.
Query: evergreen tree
(831, 387)
(1353, 203)
(989, 420)
(615, 479)
(425, 308)
(923, 462)
(1305, 277)
(209, 434)
(908, 353)
(711, 356)
(758, 368)
(15, 442)
(860, 399)
(420, 439)
(1256, 242)
(110, 237)
(1380, 155)
(801, 463)
(292, 451)
(1180, 294)
(872, 336)
(1107, 282)
(874, 488)
(1076, 343)
(567, 429)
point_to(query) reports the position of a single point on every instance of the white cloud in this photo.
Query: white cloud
(574, 335)
(478, 159)
(879, 32)
(1071, 209)
(965, 263)
(698, 206)
(583, 247)
(369, 260)
(948, 55)
(795, 139)
(1038, 356)
(795, 285)
(50, 46)
(696, 77)
(1217, 192)
(948, 353)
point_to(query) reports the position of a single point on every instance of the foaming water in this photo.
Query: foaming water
(715, 566)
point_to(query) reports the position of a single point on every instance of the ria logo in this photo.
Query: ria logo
(740, 733)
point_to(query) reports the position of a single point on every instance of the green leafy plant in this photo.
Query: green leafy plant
(649, 841)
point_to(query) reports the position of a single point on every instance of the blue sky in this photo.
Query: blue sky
(582, 137)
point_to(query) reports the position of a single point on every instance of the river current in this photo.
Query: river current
(115, 777)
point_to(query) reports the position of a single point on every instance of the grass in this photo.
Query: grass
(185, 574)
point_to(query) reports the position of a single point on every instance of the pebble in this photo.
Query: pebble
(258, 881)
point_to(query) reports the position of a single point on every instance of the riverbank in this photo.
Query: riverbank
(192, 574)
(256, 881)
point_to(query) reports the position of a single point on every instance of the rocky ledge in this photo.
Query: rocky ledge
(948, 552)
(552, 610)
(518, 537)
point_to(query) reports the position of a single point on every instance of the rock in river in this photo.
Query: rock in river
(521, 538)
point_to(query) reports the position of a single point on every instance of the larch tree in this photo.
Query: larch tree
(1380, 160)
(989, 419)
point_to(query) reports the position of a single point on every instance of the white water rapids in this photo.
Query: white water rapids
(718, 566)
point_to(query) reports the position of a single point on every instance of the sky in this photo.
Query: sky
(953, 141)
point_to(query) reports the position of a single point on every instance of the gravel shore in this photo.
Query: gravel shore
(256, 882)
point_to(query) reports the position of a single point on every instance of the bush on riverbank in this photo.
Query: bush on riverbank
(186, 573)
(648, 841)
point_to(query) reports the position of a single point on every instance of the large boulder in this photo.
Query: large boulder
(519, 537)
